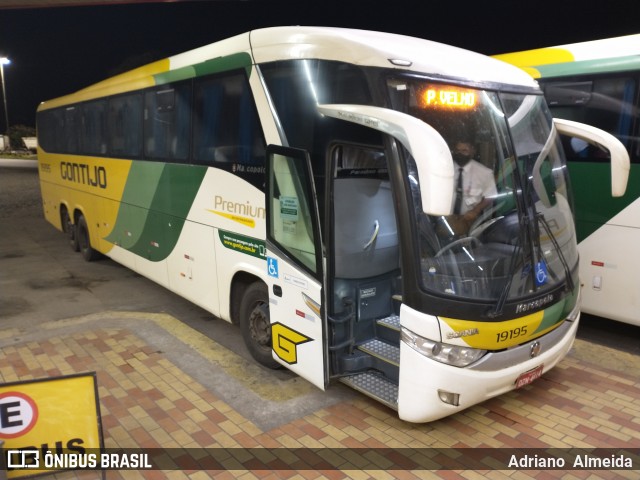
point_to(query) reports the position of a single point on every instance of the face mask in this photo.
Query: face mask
(461, 159)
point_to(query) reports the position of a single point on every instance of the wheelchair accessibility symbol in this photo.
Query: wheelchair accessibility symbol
(272, 267)
(541, 274)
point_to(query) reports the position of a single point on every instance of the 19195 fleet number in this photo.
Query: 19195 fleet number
(511, 334)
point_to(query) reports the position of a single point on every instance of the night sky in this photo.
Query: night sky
(55, 51)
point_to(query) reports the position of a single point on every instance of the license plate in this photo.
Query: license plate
(529, 377)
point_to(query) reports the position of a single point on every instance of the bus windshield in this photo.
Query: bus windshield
(511, 231)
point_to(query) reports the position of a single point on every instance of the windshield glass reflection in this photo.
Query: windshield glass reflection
(511, 230)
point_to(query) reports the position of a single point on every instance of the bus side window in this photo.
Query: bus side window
(72, 130)
(94, 127)
(51, 130)
(292, 222)
(167, 114)
(605, 103)
(125, 125)
(227, 131)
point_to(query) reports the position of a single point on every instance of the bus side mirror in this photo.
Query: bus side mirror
(620, 163)
(424, 143)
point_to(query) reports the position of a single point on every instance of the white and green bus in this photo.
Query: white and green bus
(598, 83)
(300, 183)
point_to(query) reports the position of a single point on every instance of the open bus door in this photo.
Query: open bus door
(295, 265)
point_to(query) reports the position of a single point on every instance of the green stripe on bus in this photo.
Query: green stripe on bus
(136, 200)
(600, 65)
(558, 312)
(155, 204)
(593, 201)
(175, 193)
(221, 64)
(552, 316)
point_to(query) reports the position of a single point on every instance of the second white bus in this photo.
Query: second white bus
(598, 82)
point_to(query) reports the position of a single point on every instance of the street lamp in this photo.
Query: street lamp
(4, 61)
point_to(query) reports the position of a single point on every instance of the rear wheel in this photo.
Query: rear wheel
(82, 234)
(69, 229)
(255, 325)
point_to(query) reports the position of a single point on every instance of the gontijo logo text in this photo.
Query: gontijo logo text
(93, 176)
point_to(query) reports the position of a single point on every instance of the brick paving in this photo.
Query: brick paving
(148, 401)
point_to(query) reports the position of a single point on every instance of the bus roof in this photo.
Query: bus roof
(360, 47)
(363, 47)
(598, 56)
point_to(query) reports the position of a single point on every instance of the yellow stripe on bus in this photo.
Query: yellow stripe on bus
(136, 79)
(530, 59)
(76, 175)
(247, 222)
(493, 335)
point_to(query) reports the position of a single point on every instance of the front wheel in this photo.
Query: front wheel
(255, 324)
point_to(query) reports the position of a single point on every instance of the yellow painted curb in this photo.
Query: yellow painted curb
(246, 372)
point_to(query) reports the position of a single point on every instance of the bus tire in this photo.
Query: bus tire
(255, 326)
(69, 229)
(82, 234)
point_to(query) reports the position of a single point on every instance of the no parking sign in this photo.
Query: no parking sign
(57, 415)
(18, 414)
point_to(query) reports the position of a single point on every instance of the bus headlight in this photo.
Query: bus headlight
(442, 352)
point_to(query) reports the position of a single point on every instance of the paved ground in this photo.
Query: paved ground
(155, 393)
(164, 383)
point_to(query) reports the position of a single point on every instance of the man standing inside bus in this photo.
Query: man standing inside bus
(475, 187)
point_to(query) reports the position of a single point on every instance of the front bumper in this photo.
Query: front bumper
(494, 374)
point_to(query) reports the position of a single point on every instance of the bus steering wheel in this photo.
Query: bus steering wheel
(455, 243)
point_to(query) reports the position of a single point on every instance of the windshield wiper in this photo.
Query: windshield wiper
(497, 311)
(563, 259)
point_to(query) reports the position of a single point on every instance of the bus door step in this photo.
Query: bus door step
(375, 386)
(392, 322)
(383, 351)
(388, 329)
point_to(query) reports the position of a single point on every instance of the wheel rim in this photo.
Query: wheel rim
(259, 326)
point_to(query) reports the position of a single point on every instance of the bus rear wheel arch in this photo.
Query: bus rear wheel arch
(255, 324)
